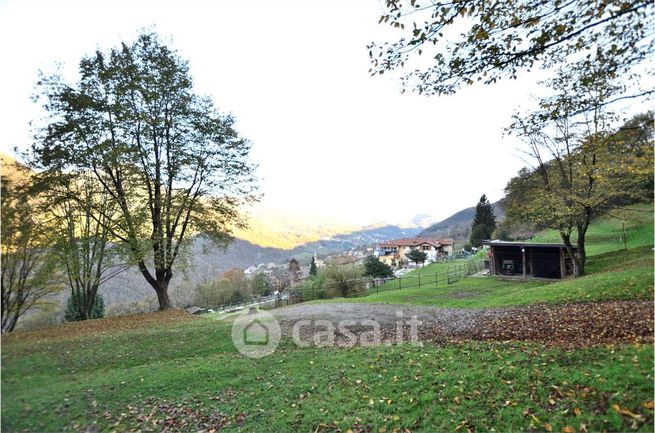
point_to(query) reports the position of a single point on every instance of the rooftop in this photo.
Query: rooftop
(500, 243)
(413, 242)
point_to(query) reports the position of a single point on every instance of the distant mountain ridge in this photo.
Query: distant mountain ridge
(458, 225)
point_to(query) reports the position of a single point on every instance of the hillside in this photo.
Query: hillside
(204, 261)
(458, 225)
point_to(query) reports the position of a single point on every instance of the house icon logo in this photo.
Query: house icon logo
(256, 335)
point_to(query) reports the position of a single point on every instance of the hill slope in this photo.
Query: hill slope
(458, 225)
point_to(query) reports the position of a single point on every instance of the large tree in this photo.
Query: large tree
(447, 44)
(170, 162)
(484, 221)
(582, 164)
(29, 275)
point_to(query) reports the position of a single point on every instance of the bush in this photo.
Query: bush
(148, 305)
(221, 291)
(344, 281)
(313, 288)
(73, 313)
(374, 268)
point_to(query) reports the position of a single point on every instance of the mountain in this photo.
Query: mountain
(458, 225)
(270, 227)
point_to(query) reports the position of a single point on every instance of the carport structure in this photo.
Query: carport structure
(529, 259)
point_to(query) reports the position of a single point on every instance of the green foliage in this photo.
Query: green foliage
(260, 284)
(374, 268)
(232, 287)
(312, 267)
(314, 287)
(468, 42)
(417, 256)
(27, 262)
(468, 247)
(75, 305)
(584, 168)
(344, 281)
(514, 230)
(614, 273)
(484, 222)
(170, 162)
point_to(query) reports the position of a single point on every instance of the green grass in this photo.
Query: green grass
(157, 372)
(68, 383)
(605, 234)
(612, 273)
(616, 275)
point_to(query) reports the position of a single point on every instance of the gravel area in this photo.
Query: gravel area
(579, 324)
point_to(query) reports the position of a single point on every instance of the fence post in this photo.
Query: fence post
(436, 280)
(419, 280)
(400, 284)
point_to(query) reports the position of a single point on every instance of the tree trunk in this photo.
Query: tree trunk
(162, 296)
(160, 285)
(582, 255)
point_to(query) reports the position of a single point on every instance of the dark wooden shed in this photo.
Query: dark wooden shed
(529, 259)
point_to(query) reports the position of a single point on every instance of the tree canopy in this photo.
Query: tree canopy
(448, 44)
(27, 265)
(172, 164)
(374, 268)
(582, 164)
(417, 256)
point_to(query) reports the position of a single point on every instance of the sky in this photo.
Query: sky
(331, 142)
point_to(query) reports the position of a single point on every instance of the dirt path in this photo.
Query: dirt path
(581, 324)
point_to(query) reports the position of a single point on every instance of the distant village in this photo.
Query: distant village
(392, 253)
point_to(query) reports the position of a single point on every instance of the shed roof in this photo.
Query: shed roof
(499, 243)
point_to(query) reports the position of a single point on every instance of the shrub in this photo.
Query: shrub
(374, 268)
(73, 313)
(148, 305)
(344, 281)
(313, 288)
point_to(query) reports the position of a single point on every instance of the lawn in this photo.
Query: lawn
(176, 372)
(185, 374)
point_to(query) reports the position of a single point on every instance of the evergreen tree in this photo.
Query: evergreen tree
(374, 268)
(76, 304)
(417, 256)
(484, 222)
(312, 268)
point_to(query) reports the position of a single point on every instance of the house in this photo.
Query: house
(399, 248)
(529, 259)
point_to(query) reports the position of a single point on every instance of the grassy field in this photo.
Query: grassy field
(615, 275)
(176, 372)
(612, 273)
(183, 373)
